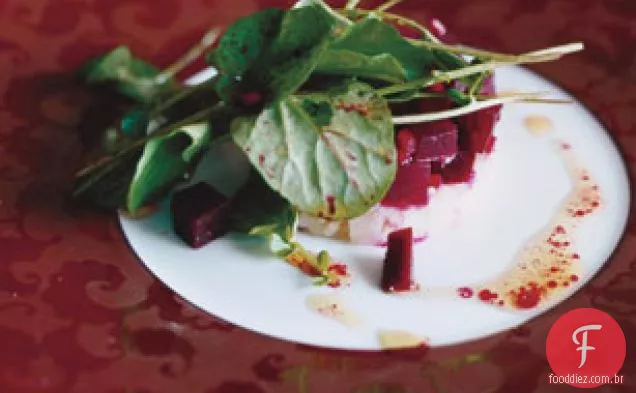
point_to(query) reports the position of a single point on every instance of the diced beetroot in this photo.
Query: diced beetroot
(430, 104)
(398, 262)
(438, 140)
(435, 180)
(476, 129)
(437, 88)
(200, 214)
(489, 146)
(460, 170)
(406, 145)
(410, 187)
(488, 87)
(424, 105)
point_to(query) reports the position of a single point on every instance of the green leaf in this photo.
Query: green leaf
(321, 112)
(342, 62)
(164, 161)
(372, 37)
(272, 51)
(339, 170)
(339, 21)
(245, 42)
(129, 75)
(272, 217)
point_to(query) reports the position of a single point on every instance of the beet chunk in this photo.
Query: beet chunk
(476, 129)
(460, 170)
(406, 144)
(200, 214)
(410, 187)
(438, 140)
(428, 105)
(398, 262)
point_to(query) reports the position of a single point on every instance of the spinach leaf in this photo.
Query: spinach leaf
(338, 21)
(272, 52)
(164, 161)
(127, 74)
(372, 37)
(338, 170)
(342, 62)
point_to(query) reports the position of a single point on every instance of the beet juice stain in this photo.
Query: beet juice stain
(548, 264)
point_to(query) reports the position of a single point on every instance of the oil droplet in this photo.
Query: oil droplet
(538, 124)
(332, 306)
(400, 339)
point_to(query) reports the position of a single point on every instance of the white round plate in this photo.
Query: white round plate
(515, 196)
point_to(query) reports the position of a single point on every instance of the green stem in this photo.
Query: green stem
(352, 4)
(419, 95)
(439, 77)
(540, 56)
(102, 170)
(544, 101)
(544, 55)
(477, 85)
(180, 96)
(456, 112)
(164, 130)
(388, 5)
(208, 39)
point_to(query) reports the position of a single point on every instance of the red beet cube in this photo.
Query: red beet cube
(435, 180)
(460, 170)
(438, 140)
(488, 87)
(476, 129)
(406, 143)
(410, 187)
(424, 105)
(200, 214)
(398, 262)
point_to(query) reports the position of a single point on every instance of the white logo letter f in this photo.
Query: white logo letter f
(584, 347)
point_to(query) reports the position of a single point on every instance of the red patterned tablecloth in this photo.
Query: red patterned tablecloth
(78, 312)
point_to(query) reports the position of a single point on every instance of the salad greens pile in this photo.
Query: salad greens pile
(305, 94)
